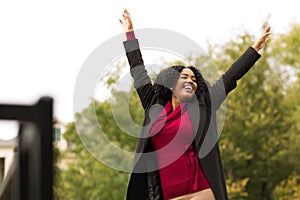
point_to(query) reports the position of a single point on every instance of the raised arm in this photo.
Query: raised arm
(142, 82)
(237, 70)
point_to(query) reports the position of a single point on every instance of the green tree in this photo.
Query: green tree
(287, 50)
(86, 177)
(255, 136)
(287, 53)
(260, 139)
(288, 189)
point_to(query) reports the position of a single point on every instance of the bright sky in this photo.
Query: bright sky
(43, 44)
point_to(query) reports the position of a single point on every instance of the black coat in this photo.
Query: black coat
(144, 180)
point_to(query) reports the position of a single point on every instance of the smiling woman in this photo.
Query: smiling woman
(179, 125)
(185, 87)
(179, 83)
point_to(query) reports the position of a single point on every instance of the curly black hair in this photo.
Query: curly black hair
(168, 77)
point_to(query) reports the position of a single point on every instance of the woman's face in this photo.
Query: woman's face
(186, 85)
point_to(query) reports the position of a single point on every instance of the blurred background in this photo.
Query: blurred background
(43, 45)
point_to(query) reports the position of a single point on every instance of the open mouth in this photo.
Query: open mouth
(188, 88)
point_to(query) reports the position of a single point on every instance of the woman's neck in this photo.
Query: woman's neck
(175, 102)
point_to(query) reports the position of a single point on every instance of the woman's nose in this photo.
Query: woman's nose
(190, 80)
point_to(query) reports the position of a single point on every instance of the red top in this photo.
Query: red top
(179, 167)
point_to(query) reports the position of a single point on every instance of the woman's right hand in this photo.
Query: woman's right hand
(262, 40)
(126, 21)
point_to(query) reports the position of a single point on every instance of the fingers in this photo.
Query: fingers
(126, 11)
(125, 21)
(267, 31)
(125, 16)
(264, 37)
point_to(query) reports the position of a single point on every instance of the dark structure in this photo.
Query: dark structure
(31, 175)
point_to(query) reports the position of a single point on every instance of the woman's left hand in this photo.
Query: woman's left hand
(262, 40)
(126, 21)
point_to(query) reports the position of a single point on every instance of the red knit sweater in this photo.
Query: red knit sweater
(179, 167)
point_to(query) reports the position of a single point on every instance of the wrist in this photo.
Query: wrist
(130, 35)
(255, 47)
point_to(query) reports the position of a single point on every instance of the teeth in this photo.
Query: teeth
(188, 87)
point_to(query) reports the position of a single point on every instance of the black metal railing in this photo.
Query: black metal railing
(30, 176)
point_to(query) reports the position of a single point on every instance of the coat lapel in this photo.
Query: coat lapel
(198, 114)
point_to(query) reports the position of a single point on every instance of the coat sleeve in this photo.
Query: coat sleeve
(229, 79)
(142, 82)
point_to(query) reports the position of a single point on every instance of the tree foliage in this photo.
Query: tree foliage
(256, 141)
(86, 177)
(260, 139)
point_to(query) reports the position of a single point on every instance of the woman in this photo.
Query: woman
(176, 130)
